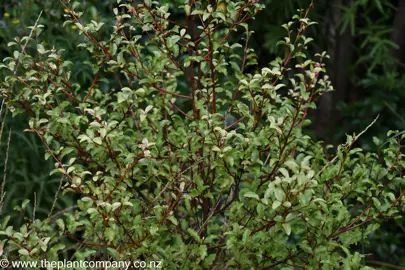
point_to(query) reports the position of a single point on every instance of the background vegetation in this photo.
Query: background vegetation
(363, 37)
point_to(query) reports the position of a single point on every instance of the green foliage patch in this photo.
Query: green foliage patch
(217, 175)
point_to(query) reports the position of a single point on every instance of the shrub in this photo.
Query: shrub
(180, 156)
(28, 171)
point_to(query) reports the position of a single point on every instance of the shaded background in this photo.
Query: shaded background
(364, 38)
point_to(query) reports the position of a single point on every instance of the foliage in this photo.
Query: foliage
(376, 74)
(375, 71)
(220, 176)
(28, 172)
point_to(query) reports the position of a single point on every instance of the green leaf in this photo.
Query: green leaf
(98, 140)
(187, 9)
(203, 251)
(245, 237)
(275, 205)
(251, 194)
(23, 251)
(194, 234)
(115, 206)
(41, 48)
(154, 229)
(60, 224)
(287, 228)
(24, 204)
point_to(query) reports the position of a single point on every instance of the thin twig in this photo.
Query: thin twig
(55, 199)
(4, 121)
(385, 264)
(61, 212)
(209, 216)
(3, 193)
(355, 138)
(369, 126)
(1, 108)
(176, 179)
(26, 41)
(35, 207)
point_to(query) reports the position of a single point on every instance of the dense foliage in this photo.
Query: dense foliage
(178, 154)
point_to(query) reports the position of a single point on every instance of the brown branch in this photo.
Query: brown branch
(91, 87)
